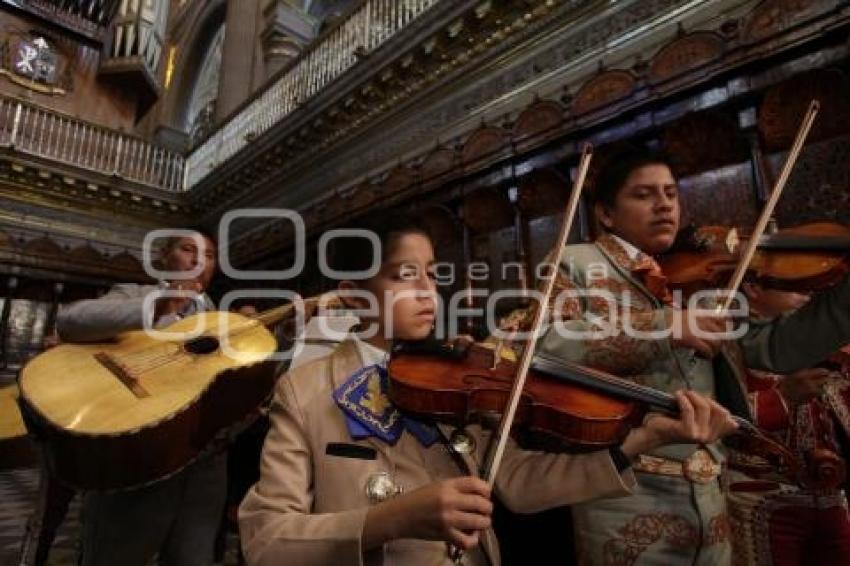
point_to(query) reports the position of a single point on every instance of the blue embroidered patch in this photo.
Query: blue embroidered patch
(369, 411)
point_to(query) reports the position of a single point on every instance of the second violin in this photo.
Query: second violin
(808, 257)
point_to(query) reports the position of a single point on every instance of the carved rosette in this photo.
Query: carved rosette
(483, 142)
(540, 117)
(439, 162)
(685, 54)
(773, 16)
(603, 89)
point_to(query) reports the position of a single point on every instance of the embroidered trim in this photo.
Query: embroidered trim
(390, 419)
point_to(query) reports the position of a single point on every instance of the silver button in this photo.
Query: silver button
(461, 442)
(380, 487)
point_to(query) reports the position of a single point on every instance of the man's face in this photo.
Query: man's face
(184, 255)
(646, 209)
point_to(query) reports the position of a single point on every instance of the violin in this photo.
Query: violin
(808, 257)
(565, 407)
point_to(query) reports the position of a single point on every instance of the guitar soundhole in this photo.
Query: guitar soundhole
(202, 345)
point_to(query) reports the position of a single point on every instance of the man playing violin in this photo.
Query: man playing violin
(775, 522)
(678, 513)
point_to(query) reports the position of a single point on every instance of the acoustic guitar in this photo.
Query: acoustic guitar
(15, 447)
(140, 408)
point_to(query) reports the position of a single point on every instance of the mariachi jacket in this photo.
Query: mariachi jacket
(805, 428)
(782, 345)
(310, 505)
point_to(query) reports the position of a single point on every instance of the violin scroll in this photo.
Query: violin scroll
(825, 470)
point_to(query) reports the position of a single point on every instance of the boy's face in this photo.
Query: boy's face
(405, 289)
(646, 210)
(184, 255)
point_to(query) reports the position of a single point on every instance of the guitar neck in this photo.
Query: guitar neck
(272, 316)
(307, 306)
(606, 383)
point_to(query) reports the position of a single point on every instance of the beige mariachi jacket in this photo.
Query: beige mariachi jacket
(309, 506)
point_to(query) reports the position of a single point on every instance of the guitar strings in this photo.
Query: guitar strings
(146, 360)
(150, 358)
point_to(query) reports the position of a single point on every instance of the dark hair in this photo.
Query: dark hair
(617, 168)
(172, 241)
(356, 253)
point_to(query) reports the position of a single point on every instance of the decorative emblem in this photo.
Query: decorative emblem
(370, 413)
(369, 410)
(36, 61)
(380, 487)
(375, 401)
(32, 63)
(461, 442)
(700, 467)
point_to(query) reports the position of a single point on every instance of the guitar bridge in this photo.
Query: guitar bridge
(123, 374)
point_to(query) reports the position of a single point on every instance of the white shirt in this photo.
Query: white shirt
(371, 354)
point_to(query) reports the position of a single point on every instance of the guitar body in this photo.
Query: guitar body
(15, 446)
(130, 412)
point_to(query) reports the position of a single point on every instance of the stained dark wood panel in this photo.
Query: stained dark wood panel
(723, 196)
(819, 187)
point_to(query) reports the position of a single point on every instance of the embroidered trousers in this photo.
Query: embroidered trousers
(669, 521)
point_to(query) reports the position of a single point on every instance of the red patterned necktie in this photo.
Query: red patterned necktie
(648, 272)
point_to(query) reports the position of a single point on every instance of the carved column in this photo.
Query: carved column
(58, 287)
(11, 285)
(287, 31)
(135, 48)
(521, 239)
(469, 301)
(762, 178)
(237, 56)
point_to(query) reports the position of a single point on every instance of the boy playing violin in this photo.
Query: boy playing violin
(677, 514)
(346, 479)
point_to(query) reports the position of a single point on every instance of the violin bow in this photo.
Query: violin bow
(745, 426)
(494, 459)
(767, 212)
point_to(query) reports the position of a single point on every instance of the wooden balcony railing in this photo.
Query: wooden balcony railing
(363, 30)
(46, 133)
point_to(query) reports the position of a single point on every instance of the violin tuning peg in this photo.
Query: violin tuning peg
(732, 240)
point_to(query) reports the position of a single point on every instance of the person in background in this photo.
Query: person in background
(776, 523)
(178, 517)
(678, 513)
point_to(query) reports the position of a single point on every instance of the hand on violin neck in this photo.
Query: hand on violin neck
(702, 420)
(700, 330)
(453, 511)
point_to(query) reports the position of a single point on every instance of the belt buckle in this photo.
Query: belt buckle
(700, 467)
